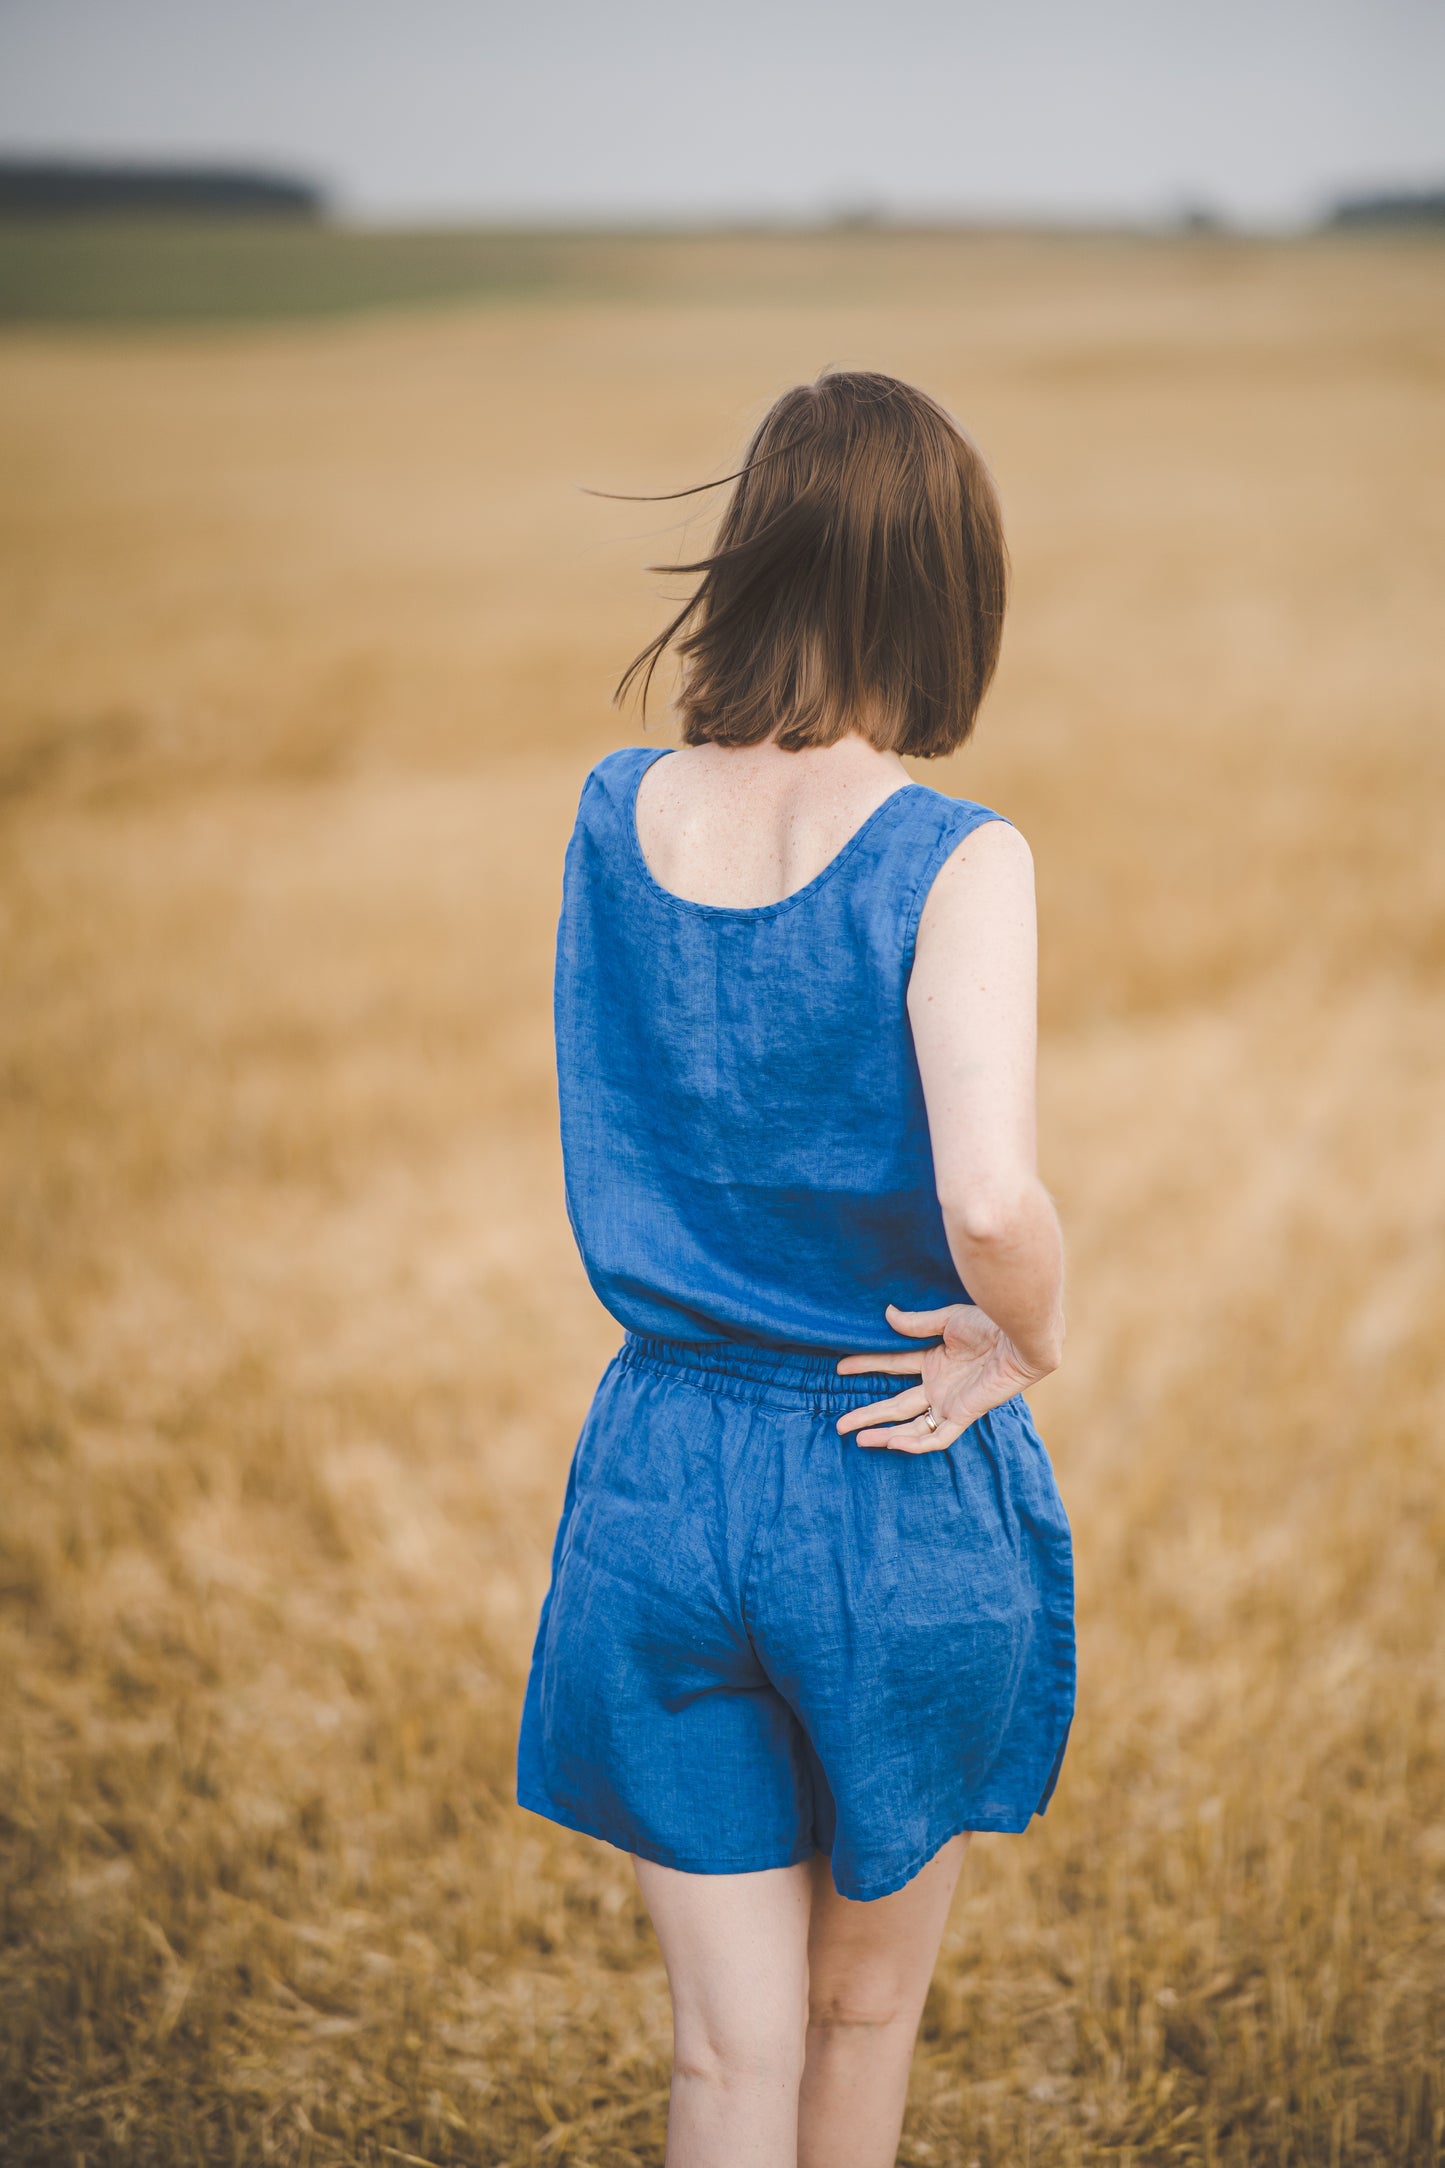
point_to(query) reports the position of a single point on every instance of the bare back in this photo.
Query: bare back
(744, 826)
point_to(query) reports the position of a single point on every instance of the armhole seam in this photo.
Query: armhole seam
(934, 861)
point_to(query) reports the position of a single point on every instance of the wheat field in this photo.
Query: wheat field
(308, 635)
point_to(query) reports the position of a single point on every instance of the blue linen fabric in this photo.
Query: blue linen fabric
(760, 1639)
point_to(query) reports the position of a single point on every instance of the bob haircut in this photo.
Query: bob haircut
(857, 583)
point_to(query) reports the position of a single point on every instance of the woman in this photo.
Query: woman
(808, 1627)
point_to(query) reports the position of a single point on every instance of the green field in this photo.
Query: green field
(111, 272)
(168, 271)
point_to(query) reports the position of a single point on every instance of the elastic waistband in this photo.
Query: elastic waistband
(766, 1376)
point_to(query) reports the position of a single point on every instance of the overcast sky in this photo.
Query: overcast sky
(670, 108)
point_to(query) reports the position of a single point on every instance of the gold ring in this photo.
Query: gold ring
(928, 1415)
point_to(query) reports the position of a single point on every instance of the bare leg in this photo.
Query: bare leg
(736, 1951)
(870, 1965)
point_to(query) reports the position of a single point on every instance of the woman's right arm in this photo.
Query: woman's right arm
(972, 1005)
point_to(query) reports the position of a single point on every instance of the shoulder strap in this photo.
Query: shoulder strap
(940, 825)
(615, 776)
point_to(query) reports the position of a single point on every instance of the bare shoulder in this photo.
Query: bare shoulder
(989, 875)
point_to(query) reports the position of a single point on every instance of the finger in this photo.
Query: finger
(898, 1362)
(894, 1410)
(918, 1324)
(912, 1437)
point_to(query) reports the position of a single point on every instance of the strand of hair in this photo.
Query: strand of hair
(670, 496)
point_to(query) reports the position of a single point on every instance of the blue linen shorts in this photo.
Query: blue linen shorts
(762, 1640)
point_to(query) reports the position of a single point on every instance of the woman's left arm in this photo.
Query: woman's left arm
(972, 1005)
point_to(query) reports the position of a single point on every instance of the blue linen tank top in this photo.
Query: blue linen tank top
(744, 1138)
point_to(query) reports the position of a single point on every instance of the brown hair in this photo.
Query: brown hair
(858, 580)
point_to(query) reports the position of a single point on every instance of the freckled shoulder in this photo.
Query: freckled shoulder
(988, 875)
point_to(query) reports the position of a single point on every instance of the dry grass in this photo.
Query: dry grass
(306, 646)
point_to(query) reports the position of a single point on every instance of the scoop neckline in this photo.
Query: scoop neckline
(741, 910)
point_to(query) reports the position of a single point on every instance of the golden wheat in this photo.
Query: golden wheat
(307, 642)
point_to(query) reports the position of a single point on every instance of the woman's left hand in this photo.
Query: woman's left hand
(974, 1367)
